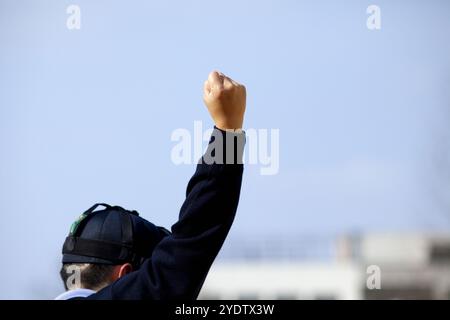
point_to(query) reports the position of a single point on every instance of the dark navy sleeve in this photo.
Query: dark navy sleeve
(180, 262)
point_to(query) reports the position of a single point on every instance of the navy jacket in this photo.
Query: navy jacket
(180, 262)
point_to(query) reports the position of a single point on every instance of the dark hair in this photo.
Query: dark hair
(91, 276)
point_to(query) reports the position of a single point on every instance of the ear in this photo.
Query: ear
(123, 270)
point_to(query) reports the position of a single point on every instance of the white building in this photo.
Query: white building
(413, 266)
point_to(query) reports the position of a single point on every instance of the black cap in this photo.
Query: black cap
(111, 236)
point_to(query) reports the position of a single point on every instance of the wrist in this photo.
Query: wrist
(226, 126)
(230, 130)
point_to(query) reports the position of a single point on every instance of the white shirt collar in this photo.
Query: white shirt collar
(76, 293)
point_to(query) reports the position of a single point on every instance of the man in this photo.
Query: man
(115, 254)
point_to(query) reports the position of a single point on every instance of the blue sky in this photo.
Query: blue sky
(87, 115)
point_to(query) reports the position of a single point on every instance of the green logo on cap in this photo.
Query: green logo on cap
(74, 226)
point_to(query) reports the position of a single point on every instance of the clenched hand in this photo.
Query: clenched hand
(225, 99)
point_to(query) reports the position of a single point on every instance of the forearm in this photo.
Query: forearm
(215, 186)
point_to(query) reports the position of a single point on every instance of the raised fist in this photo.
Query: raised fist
(225, 99)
